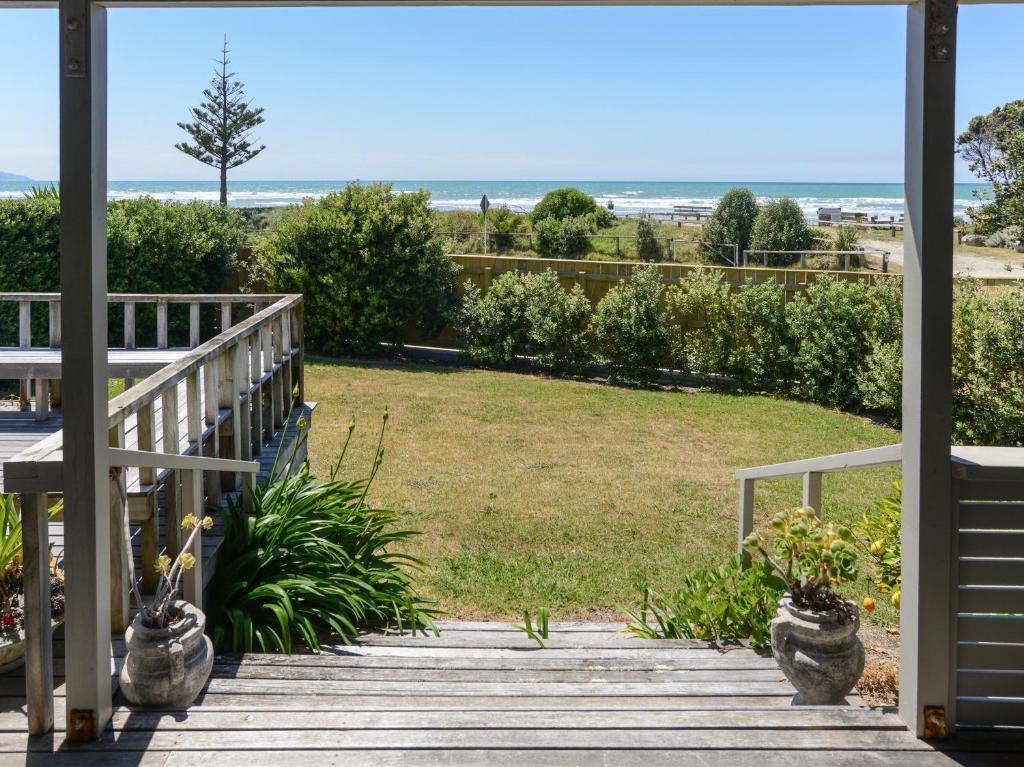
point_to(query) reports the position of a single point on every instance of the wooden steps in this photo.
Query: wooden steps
(484, 693)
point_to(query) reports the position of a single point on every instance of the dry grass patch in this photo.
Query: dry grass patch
(534, 491)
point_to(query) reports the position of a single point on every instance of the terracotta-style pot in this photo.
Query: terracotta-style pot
(167, 667)
(822, 657)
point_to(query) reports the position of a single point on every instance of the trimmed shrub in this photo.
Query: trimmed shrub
(701, 309)
(631, 329)
(829, 326)
(369, 265)
(780, 225)
(567, 238)
(762, 359)
(988, 366)
(557, 323)
(647, 246)
(527, 315)
(731, 222)
(153, 247)
(570, 202)
(493, 324)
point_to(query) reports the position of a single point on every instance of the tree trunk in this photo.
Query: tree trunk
(224, 184)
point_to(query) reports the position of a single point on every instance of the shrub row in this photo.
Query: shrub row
(838, 344)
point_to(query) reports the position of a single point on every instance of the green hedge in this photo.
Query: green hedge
(369, 264)
(153, 247)
(840, 344)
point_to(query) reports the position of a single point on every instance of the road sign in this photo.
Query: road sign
(484, 203)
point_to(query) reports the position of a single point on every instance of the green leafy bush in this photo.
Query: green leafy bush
(631, 329)
(731, 222)
(880, 380)
(780, 225)
(647, 246)
(988, 365)
(762, 359)
(563, 238)
(713, 604)
(570, 202)
(879, 529)
(313, 559)
(527, 315)
(368, 264)
(153, 247)
(829, 326)
(701, 310)
(493, 324)
(557, 323)
(505, 227)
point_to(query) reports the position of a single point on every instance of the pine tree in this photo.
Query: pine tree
(223, 124)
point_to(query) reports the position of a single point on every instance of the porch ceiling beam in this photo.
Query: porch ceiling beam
(926, 626)
(83, 272)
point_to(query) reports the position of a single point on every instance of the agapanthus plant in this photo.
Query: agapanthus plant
(811, 556)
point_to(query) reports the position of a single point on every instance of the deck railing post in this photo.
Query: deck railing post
(812, 491)
(119, 581)
(240, 361)
(55, 344)
(25, 341)
(192, 497)
(211, 402)
(171, 443)
(38, 632)
(926, 622)
(746, 513)
(83, 275)
(256, 395)
(193, 324)
(161, 323)
(225, 316)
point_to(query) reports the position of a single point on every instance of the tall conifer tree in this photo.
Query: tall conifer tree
(222, 125)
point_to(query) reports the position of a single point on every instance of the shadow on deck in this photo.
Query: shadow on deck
(483, 693)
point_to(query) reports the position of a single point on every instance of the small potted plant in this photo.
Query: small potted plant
(814, 632)
(169, 656)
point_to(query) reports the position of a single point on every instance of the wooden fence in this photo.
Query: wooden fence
(597, 277)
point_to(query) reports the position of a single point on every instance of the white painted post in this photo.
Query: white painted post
(746, 512)
(192, 497)
(83, 260)
(926, 622)
(193, 324)
(25, 341)
(38, 633)
(161, 323)
(812, 491)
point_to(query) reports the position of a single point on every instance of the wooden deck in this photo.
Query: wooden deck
(485, 694)
(19, 430)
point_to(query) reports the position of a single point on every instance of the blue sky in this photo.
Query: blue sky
(744, 94)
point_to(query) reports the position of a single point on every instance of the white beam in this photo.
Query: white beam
(83, 252)
(926, 623)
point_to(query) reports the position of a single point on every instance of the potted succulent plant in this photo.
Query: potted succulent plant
(169, 656)
(814, 632)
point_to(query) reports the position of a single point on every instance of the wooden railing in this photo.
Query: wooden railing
(984, 565)
(237, 390)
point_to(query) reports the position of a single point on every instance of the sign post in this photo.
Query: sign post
(485, 205)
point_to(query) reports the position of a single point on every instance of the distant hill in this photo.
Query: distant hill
(5, 176)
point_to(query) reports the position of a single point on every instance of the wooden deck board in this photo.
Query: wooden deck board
(486, 694)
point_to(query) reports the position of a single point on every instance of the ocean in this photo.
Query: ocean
(883, 199)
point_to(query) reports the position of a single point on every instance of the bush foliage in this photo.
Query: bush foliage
(780, 225)
(731, 222)
(570, 202)
(563, 238)
(713, 604)
(369, 265)
(647, 246)
(527, 315)
(153, 247)
(631, 329)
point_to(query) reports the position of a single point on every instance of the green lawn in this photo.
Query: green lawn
(534, 491)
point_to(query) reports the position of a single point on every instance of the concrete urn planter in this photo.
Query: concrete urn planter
(167, 667)
(821, 657)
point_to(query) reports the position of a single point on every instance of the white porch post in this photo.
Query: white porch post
(83, 269)
(925, 619)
